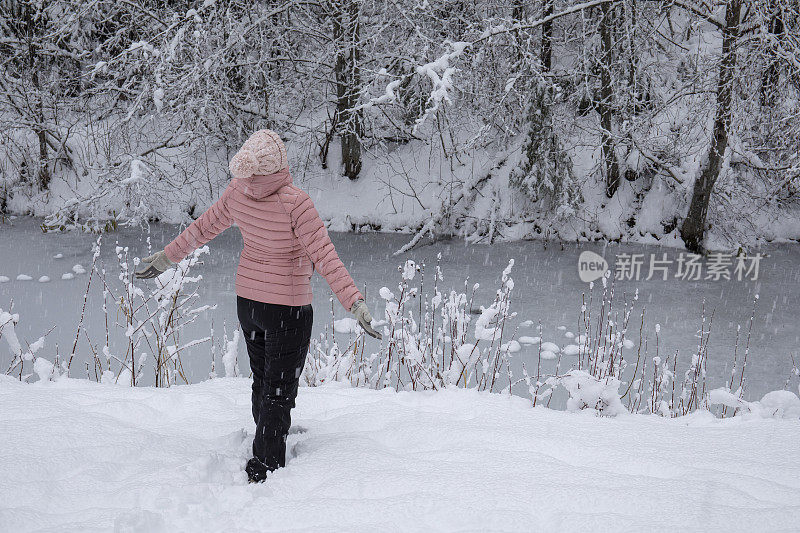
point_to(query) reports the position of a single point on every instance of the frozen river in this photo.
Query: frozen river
(547, 289)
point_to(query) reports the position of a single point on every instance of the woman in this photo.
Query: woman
(284, 241)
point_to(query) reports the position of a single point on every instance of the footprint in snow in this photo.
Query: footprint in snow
(216, 467)
(294, 451)
(299, 447)
(224, 462)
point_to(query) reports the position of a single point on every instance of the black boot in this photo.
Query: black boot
(256, 471)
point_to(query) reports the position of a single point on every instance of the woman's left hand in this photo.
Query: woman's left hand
(364, 318)
(154, 265)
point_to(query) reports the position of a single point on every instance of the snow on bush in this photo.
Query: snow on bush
(44, 369)
(426, 340)
(152, 317)
(775, 404)
(429, 344)
(230, 359)
(432, 340)
(589, 392)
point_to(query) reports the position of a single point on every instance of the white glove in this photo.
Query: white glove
(364, 319)
(154, 265)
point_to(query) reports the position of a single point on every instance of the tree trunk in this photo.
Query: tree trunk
(630, 33)
(547, 37)
(518, 11)
(694, 225)
(520, 36)
(43, 173)
(770, 79)
(605, 106)
(349, 123)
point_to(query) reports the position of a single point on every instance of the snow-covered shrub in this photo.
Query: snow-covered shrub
(230, 358)
(775, 404)
(589, 392)
(44, 369)
(661, 399)
(427, 343)
(432, 341)
(152, 321)
(601, 363)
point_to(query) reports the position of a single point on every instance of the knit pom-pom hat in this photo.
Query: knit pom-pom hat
(262, 154)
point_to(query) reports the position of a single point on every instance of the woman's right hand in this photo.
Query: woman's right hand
(364, 318)
(154, 265)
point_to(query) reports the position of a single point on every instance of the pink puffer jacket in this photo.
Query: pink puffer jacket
(281, 231)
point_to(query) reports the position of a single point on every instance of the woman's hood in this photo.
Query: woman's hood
(260, 187)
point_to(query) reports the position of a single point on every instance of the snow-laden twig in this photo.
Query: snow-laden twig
(19, 356)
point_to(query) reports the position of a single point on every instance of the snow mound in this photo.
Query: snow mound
(775, 404)
(571, 349)
(44, 279)
(78, 269)
(144, 459)
(780, 404)
(510, 347)
(550, 347)
(24, 277)
(530, 340)
(68, 275)
(4, 279)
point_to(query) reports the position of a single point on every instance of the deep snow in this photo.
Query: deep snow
(78, 456)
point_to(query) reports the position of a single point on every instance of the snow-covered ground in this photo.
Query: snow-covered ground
(78, 456)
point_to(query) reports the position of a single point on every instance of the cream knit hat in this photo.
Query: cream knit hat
(262, 154)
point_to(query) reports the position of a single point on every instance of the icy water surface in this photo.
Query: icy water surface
(547, 289)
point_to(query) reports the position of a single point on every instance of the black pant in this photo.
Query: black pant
(277, 338)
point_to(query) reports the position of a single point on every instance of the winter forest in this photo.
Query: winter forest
(619, 119)
(572, 227)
